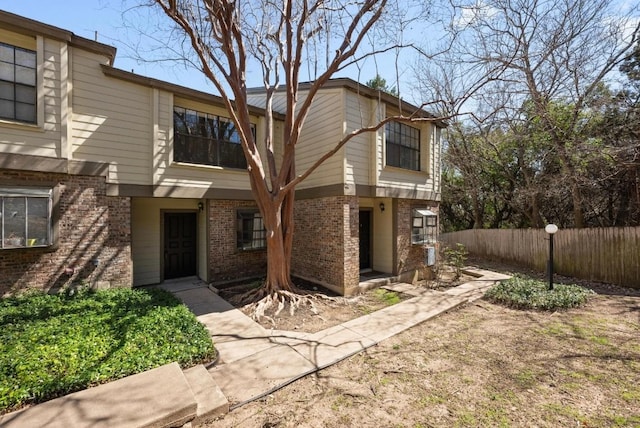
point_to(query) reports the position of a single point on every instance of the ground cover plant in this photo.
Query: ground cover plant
(51, 345)
(522, 292)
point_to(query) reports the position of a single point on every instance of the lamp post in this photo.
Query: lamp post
(551, 229)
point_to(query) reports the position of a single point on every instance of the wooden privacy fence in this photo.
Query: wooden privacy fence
(605, 254)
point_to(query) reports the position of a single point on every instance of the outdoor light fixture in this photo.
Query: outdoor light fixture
(381, 206)
(200, 206)
(551, 229)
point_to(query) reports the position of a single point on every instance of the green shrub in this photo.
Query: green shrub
(527, 293)
(455, 257)
(51, 345)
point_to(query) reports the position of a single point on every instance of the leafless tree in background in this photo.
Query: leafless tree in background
(543, 65)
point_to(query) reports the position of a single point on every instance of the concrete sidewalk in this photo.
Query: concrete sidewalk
(253, 361)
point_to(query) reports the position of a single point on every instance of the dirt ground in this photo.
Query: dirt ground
(481, 365)
(334, 310)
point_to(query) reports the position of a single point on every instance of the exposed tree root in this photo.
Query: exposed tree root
(261, 304)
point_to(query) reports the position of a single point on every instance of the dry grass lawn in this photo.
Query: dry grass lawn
(482, 365)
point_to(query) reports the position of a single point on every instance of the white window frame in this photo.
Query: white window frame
(424, 226)
(24, 240)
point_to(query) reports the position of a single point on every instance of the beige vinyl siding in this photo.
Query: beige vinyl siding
(32, 139)
(323, 129)
(163, 130)
(259, 100)
(146, 236)
(383, 236)
(436, 171)
(173, 174)
(112, 121)
(360, 112)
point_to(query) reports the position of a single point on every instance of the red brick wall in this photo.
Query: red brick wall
(410, 257)
(91, 226)
(226, 262)
(325, 247)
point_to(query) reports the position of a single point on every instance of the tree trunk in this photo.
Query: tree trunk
(278, 257)
(578, 214)
(277, 215)
(478, 211)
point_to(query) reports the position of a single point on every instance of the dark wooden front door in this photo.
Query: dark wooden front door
(179, 245)
(365, 239)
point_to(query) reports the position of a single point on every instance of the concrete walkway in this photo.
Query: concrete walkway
(253, 361)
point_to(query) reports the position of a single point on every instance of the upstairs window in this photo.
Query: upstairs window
(205, 139)
(17, 84)
(25, 217)
(424, 226)
(251, 234)
(402, 146)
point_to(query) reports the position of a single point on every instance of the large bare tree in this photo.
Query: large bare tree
(231, 38)
(546, 60)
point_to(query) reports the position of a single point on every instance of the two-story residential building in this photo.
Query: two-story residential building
(117, 179)
(374, 204)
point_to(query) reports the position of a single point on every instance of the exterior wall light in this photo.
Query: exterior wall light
(381, 206)
(551, 229)
(200, 206)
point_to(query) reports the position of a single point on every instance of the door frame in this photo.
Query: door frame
(162, 237)
(369, 212)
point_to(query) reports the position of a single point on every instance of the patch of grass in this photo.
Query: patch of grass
(495, 417)
(566, 411)
(527, 293)
(631, 395)
(430, 400)
(388, 297)
(526, 379)
(554, 329)
(385, 381)
(465, 419)
(625, 421)
(341, 402)
(51, 345)
(599, 340)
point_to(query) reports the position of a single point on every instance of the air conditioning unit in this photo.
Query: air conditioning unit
(429, 256)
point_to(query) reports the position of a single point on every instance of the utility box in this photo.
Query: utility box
(430, 256)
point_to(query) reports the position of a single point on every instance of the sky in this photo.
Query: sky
(86, 18)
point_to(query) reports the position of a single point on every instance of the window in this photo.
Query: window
(25, 217)
(251, 234)
(424, 226)
(17, 84)
(402, 146)
(205, 139)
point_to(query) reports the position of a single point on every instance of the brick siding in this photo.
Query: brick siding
(91, 226)
(410, 257)
(325, 246)
(226, 262)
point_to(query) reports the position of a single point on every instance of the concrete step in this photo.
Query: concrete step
(160, 397)
(209, 398)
